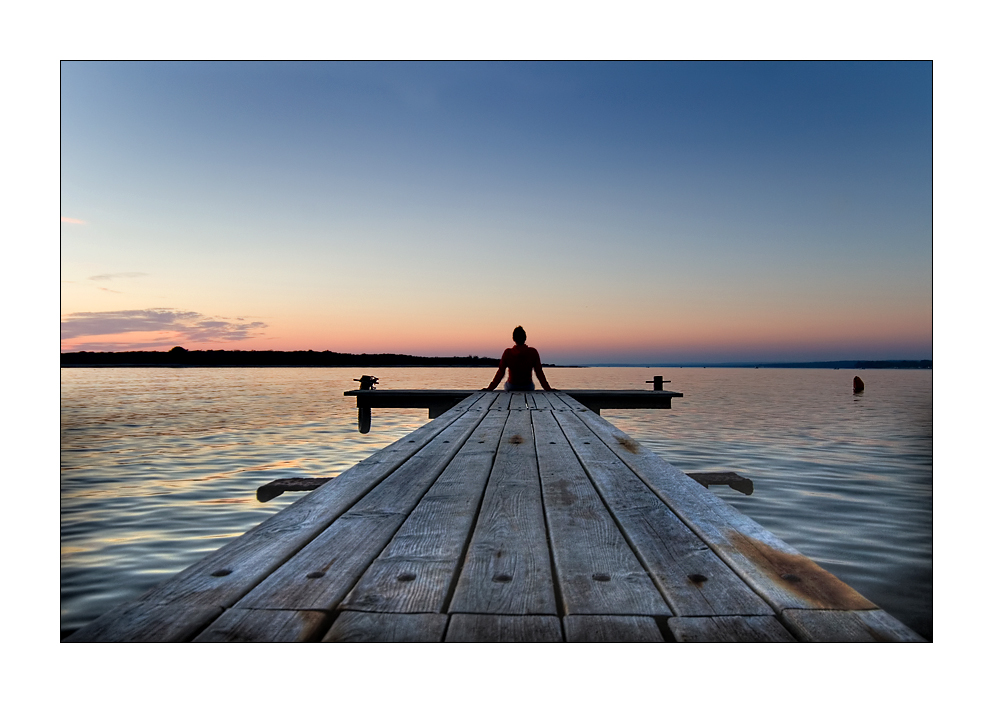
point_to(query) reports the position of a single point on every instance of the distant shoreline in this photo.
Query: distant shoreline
(847, 364)
(329, 359)
(249, 359)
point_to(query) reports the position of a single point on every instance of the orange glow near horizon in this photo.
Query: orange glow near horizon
(599, 342)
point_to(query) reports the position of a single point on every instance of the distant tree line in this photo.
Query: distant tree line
(178, 356)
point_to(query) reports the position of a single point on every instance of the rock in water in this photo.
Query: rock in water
(858, 385)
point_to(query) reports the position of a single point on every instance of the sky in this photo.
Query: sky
(622, 212)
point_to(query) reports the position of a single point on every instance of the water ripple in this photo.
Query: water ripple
(159, 467)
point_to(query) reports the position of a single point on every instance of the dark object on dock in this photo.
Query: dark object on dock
(657, 383)
(366, 383)
(281, 485)
(723, 478)
(858, 385)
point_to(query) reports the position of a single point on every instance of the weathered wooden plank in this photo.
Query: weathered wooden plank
(692, 578)
(597, 571)
(504, 628)
(241, 625)
(848, 626)
(141, 622)
(561, 401)
(501, 400)
(518, 400)
(539, 401)
(611, 628)
(755, 628)
(507, 567)
(416, 572)
(354, 626)
(781, 574)
(323, 572)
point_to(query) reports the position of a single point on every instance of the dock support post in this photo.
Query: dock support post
(658, 383)
(439, 410)
(366, 383)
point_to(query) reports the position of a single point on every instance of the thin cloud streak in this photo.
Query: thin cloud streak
(70, 221)
(193, 326)
(109, 276)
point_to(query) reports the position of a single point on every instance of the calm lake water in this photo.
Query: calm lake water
(159, 467)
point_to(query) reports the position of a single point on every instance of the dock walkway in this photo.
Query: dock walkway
(511, 517)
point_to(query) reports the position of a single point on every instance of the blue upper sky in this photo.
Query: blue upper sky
(756, 210)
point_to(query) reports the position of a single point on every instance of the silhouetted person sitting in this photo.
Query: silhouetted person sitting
(518, 360)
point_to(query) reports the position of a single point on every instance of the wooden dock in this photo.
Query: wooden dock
(510, 517)
(440, 401)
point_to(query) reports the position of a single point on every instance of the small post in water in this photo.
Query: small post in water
(366, 383)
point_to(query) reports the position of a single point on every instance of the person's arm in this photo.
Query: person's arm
(499, 373)
(540, 373)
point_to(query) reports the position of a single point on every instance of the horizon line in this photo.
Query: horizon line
(667, 364)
